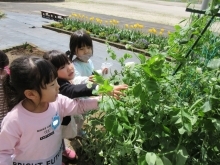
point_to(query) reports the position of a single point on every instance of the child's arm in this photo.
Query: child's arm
(73, 91)
(77, 106)
(8, 139)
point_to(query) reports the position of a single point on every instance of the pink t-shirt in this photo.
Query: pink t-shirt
(35, 138)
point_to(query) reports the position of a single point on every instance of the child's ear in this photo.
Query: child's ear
(31, 94)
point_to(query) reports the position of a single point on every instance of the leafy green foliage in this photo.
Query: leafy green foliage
(162, 119)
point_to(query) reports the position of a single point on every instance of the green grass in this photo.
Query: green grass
(2, 14)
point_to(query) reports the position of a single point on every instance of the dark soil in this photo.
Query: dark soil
(25, 49)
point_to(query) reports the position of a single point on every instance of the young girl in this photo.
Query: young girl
(4, 62)
(65, 71)
(31, 132)
(81, 46)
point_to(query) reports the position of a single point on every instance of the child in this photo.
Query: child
(31, 132)
(4, 62)
(65, 72)
(81, 46)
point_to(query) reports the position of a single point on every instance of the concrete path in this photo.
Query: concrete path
(18, 28)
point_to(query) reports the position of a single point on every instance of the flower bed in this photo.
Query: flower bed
(133, 37)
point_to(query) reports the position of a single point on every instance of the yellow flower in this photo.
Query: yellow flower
(92, 18)
(161, 33)
(135, 25)
(126, 25)
(97, 19)
(75, 15)
(154, 30)
(168, 32)
(150, 30)
(131, 26)
(162, 30)
(140, 26)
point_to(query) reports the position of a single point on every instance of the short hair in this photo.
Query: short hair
(79, 39)
(4, 61)
(57, 58)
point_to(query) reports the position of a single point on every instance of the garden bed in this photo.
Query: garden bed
(24, 49)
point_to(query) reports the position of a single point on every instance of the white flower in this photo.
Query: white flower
(89, 84)
(129, 65)
(101, 153)
(199, 70)
(128, 46)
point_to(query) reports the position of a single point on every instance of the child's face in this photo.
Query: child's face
(66, 72)
(50, 93)
(84, 51)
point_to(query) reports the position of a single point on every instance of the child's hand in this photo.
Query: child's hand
(91, 78)
(104, 71)
(117, 90)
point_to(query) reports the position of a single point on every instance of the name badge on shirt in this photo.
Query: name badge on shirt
(55, 121)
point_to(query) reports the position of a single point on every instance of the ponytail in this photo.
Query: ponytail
(11, 96)
(69, 55)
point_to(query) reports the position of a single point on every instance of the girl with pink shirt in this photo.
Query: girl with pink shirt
(4, 62)
(31, 130)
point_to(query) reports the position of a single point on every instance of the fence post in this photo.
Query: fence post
(205, 4)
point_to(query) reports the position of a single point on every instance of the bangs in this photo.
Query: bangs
(60, 60)
(84, 40)
(46, 72)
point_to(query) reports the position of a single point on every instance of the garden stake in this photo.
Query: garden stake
(195, 43)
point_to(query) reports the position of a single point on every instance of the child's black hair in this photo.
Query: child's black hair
(27, 73)
(57, 58)
(4, 61)
(79, 39)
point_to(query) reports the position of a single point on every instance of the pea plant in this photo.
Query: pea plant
(162, 119)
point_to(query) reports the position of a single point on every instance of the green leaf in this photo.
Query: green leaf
(105, 87)
(119, 129)
(166, 129)
(142, 58)
(216, 123)
(115, 128)
(137, 149)
(153, 66)
(182, 156)
(142, 161)
(188, 127)
(109, 122)
(166, 161)
(181, 130)
(206, 107)
(127, 56)
(127, 126)
(159, 161)
(137, 90)
(98, 78)
(151, 158)
(152, 85)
